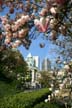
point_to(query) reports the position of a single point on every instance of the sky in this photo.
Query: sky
(50, 50)
(34, 48)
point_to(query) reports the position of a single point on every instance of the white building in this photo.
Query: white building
(33, 63)
(30, 60)
(36, 61)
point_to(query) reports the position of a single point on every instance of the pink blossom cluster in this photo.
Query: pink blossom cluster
(49, 19)
(60, 2)
(42, 24)
(45, 21)
(15, 29)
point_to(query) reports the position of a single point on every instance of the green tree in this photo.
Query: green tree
(45, 79)
(12, 66)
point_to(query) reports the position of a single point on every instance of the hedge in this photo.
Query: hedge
(49, 105)
(7, 89)
(24, 100)
(46, 105)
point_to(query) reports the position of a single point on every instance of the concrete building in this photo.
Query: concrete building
(46, 64)
(33, 63)
(30, 60)
(36, 61)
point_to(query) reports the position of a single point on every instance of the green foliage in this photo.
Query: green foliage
(12, 63)
(24, 100)
(48, 105)
(7, 89)
(37, 0)
(12, 67)
(45, 75)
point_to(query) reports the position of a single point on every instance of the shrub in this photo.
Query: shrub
(24, 100)
(48, 105)
(7, 89)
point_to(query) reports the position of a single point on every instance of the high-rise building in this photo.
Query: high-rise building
(33, 64)
(30, 60)
(36, 61)
(46, 64)
(33, 61)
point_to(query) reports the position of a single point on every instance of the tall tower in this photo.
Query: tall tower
(36, 61)
(33, 61)
(46, 64)
(30, 60)
(33, 64)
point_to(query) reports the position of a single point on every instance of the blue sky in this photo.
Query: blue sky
(47, 51)
(50, 50)
(34, 48)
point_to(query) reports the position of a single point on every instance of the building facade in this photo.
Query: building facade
(33, 61)
(46, 64)
(33, 64)
(36, 61)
